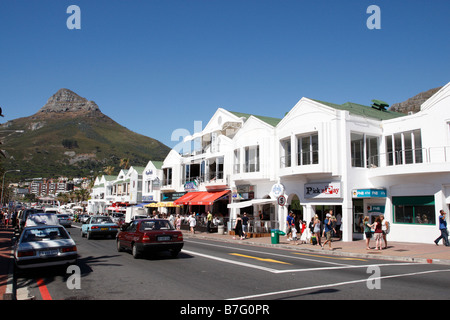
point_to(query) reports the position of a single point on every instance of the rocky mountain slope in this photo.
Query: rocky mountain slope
(70, 136)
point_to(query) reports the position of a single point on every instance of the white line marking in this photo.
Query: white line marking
(333, 285)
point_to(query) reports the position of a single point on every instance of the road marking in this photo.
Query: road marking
(333, 285)
(268, 253)
(259, 259)
(321, 256)
(242, 264)
(43, 289)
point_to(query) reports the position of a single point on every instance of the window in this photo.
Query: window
(285, 159)
(237, 161)
(364, 150)
(308, 149)
(167, 179)
(414, 210)
(404, 148)
(251, 159)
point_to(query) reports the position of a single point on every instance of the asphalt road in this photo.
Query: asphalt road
(206, 271)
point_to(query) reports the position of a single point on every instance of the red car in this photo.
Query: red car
(149, 235)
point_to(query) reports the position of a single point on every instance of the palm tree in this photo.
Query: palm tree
(108, 170)
(125, 163)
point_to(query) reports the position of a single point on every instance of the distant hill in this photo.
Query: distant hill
(413, 104)
(70, 136)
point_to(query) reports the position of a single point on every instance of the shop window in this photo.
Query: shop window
(414, 210)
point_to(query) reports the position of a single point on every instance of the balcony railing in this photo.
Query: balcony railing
(410, 156)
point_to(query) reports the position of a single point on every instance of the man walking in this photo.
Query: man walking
(443, 229)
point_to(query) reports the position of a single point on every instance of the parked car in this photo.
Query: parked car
(64, 220)
(22, 218)
(149, 235)
(42, 218)
(117, 216)
(99, 226)
(43, 246)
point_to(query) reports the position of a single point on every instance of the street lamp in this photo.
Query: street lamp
(3, 183)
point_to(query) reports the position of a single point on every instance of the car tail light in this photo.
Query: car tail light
(94, 227)
(27, 253)
(115, 227)
(146, 237)
(69, 249)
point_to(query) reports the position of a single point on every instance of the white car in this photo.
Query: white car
(38, 219)
(43, 246)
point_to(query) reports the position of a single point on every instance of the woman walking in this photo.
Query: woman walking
(317, 229)
(238, 227)
(367, 231)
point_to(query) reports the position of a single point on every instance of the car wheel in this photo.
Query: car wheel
(82, 234)
(119, 247)
(89, 236)
(134, 251)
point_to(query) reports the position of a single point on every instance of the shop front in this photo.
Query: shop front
(366, 202)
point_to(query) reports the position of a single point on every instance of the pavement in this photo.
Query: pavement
(396, 251)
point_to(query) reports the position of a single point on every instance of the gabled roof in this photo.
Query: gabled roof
(364, 111)
(269, 120)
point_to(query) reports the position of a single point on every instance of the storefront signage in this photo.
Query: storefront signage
(191, 186)
(277, 190)
(323, 190)
(172, 196)
(369, 193)
(147, 198)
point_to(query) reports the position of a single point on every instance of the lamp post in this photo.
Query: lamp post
(3, 183)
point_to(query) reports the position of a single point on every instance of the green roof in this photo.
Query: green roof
(158, 164)
(269, 120)
(363, 111)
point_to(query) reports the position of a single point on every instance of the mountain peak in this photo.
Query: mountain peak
(65, 100)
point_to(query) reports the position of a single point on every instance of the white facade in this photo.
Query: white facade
(353, 159)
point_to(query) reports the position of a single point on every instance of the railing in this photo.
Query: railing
(254, 226)
(410, 156)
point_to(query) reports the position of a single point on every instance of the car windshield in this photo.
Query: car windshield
(156, 225)
(41, 234)
(101, 220)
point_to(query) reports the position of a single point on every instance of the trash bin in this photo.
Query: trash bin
(220, 229)
(275, 236)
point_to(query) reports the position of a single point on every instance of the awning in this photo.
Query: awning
(207, 198)
(200, 198)
(162, 204)
(249, 203)
(186, 198)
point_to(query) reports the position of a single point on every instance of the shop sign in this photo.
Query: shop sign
(147, 198)
(172, 196)
(369, 193)
(191, 186)
(323, 190)
(277, 190)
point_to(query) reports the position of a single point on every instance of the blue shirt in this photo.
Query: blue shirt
(442, 223)
(328, 227)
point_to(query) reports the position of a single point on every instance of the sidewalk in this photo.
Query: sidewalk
(396, 251)
(6, 264)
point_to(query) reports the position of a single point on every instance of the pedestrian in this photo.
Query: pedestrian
(192, 223)
(304, 238)
(238, 227)
(443, 229)
(178, 222)
(244, 225)
(209, 218)
(328, 229)
(385, 228)
(289, 226)
(378, 235)
(317, 229)
(367, 231)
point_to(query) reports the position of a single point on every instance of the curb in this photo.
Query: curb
(10, 288)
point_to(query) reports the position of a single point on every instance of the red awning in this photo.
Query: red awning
(200, 198)
(186, 198)
(207, 198)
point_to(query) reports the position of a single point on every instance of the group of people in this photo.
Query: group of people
(379, 229)
(315, 231)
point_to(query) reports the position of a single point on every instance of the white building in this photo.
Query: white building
(356, 160)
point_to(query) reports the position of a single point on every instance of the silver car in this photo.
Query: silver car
(64, 220)
(43, 246)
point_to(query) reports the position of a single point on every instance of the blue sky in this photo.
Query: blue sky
(158, 65)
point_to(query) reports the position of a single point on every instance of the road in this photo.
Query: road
(207, 270)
